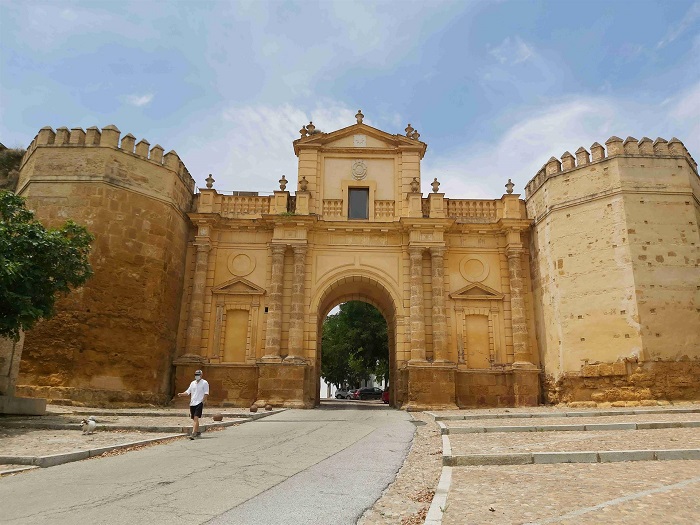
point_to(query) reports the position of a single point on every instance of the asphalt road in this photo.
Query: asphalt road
(323, 466)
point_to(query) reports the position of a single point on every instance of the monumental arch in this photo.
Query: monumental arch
(587, 290)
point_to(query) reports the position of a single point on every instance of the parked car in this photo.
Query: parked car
(342, 393)
(370, 392)
(354, 394)
(385, 396)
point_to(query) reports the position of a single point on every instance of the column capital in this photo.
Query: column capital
(300, 249)
(277, 249)
(415, 251)
(438, 251)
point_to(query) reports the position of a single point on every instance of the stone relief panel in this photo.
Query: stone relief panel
(240, 264)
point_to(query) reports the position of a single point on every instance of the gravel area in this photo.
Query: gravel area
(23, 442)
(627, 493)
(644, 418)
(562, 408)
(506, 442)
(179, 420)
(406, 501)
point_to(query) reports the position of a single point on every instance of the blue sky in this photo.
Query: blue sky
(495, 88)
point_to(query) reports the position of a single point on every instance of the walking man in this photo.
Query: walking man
(198, 392)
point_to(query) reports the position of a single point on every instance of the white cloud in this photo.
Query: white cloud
(480, 170)
(512, 51)
(139, 100)
(678, 29)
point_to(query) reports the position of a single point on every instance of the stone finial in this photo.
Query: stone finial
(142, 148)
(110, 136)
(415, 135)
(303, 132)
(77, 136)
(567, 161)
(283, 183)
(553, 166)
(645, 146)
(631, 146)
(597, 152)
(303, 183)
(62, 136)
(157, 154)
(172, 160)
(509, 187)
(210, 181)
(92, 136)
(436, 185)
(310, 128)
(409, 131)
(582, 157)
(614, 145)
(128, 142)
(359, 116)
(415, 185)
(46, 135)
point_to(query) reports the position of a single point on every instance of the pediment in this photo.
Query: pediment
(342, 138)
(238, 286)
(476, 291)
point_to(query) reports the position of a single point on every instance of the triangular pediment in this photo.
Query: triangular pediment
(238, 286)
(476, 291)
(376, 138)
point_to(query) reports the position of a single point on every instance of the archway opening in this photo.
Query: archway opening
(364, 290)
(354, 353)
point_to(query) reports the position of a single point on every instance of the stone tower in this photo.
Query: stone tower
(615, 250)
(112, 340)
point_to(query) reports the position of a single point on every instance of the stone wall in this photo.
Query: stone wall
(615, 270)
(112, 340)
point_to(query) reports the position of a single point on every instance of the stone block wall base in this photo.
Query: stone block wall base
(431, 388)
(64, 395)
(627, 382)
(23, 406)
(497, 388)
(235, 385)
(282, 385)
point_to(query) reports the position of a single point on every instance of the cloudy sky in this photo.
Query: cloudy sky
(495, 88)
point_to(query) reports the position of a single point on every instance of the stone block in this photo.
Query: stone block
(524, 458)
(26, 406)
(614, 456)
(674, 454)
(59, 459)
(611, 426)
(564, 457)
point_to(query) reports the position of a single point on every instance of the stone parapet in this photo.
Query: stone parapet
(616, 147)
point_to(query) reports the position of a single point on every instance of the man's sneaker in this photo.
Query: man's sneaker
(198, 434)
(191, 436)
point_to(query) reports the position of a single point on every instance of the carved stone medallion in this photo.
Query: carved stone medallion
(473, 269)
(359, 170)
(240, 264)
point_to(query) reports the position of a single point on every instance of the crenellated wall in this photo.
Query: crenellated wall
(615, 271)
(112, 340)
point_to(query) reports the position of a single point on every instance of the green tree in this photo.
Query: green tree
(354, 345)
(36, 264)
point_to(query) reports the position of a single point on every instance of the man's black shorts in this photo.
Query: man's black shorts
(196, 410)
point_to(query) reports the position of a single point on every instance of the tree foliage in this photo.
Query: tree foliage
(354, 345)
(36, 264)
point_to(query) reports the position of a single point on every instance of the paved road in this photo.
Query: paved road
(316, 467)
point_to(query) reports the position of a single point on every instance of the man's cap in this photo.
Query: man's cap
(198, 372)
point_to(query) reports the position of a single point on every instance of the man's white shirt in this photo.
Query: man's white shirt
(197, 391)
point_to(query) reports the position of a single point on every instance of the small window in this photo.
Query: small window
(358, 203)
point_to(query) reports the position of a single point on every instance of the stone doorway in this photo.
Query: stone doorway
(368, 290)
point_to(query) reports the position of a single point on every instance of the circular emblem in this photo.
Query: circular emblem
(240, 264)
(359, 170)
(474, 270)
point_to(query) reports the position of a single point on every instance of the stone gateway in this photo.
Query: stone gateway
(587, 290)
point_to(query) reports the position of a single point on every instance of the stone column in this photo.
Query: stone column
(437, 257)
(194, 329)
(296, 318)
(273, 335)
(417, 310)
(521, 351)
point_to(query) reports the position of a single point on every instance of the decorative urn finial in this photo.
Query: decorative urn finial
(303, 132)
(409, 131)
(210, 182)
(359, 116)
(436, 185)
(415, 135)
(415, 185)
(283, 183)
(509, 187)
(303, 183)
(310, 128)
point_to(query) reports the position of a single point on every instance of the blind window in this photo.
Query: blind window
(358, 203)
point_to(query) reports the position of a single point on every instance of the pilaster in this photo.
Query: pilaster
(274, 306)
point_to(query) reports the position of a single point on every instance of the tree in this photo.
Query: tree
(354, 345)
(36, 264)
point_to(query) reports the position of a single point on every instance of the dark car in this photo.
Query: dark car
(370, 392)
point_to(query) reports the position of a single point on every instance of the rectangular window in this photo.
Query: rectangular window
(358, 203)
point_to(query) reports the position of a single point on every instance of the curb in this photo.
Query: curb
(439, 503)
(16, 470)
(571, 428)
(592, 413)
(606, 456)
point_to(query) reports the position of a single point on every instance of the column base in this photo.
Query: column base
(523, 365)
(295, 360)
(271, 359)
(283, 384)
(431, 386)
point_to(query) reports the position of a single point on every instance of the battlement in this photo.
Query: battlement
(616, 147)
(109, 137)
